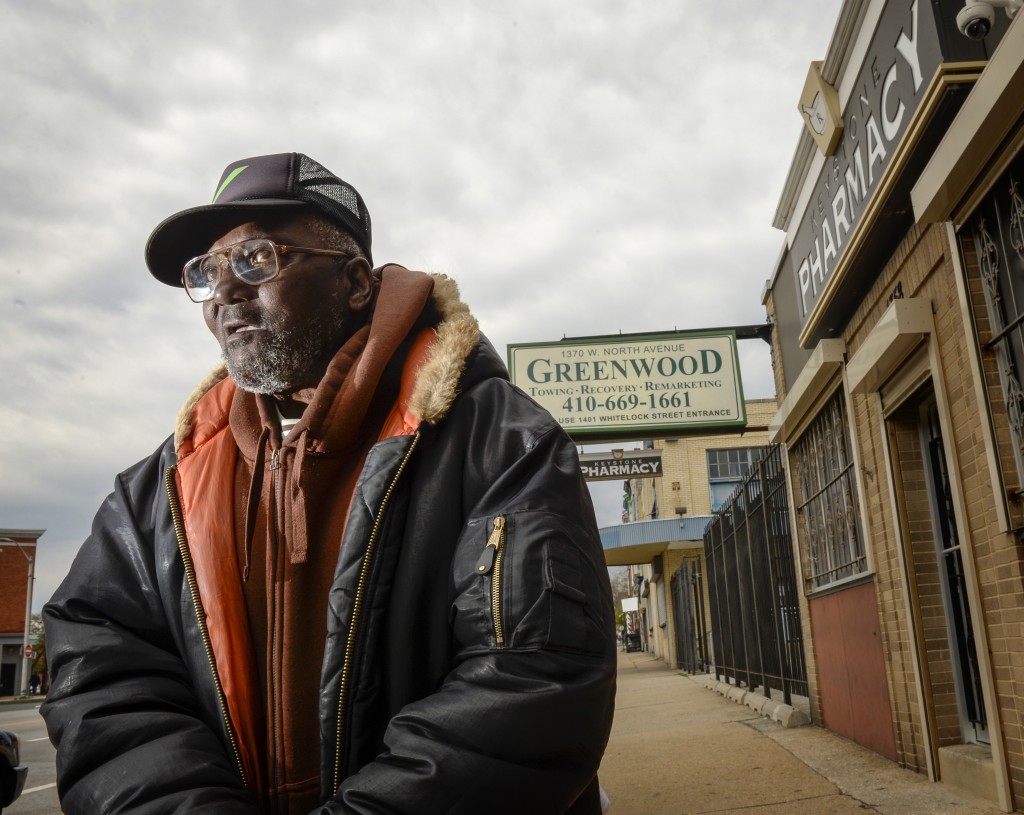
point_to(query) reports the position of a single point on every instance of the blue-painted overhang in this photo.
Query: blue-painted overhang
(642, 541)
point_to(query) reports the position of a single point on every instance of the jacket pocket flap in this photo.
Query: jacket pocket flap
(564, 589)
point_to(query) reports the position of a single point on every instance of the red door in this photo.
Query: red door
(851, 668)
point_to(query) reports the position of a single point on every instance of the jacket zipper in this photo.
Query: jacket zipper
(197, 604)
(357, 608)
(272, 567)
(275, 468)
(490, 561)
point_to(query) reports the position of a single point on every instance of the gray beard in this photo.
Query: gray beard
(285, 358)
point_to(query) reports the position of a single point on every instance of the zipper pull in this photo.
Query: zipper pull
(486, 562)
(274, 463)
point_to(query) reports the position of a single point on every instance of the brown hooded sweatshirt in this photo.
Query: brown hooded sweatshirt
(291, 499)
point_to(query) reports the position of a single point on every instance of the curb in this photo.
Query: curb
(17, 700)
(786, 715)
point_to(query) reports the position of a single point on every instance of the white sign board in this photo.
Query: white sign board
(630, 604)
(634, 387)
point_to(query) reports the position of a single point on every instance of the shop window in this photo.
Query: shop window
(832, 543)
(726, 470)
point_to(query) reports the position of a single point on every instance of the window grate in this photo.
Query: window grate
(832, 540)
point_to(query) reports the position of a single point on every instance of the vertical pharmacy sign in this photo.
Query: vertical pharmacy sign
(637, 386)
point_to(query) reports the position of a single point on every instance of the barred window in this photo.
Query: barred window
(832, 541)
(996, 234)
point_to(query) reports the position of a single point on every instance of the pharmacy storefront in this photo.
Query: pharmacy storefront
(898, 313)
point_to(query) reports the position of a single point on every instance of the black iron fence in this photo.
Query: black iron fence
(752, 587)
(690, 616)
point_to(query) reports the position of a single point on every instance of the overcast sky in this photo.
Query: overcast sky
(579, 167)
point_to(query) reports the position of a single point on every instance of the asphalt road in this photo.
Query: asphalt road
(40, 794)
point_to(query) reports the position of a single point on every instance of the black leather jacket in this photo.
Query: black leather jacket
(458, 677)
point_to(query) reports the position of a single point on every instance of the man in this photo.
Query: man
(363, 576)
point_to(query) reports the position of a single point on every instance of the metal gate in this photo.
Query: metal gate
(690, 617)
(958, 608)
(752, 587)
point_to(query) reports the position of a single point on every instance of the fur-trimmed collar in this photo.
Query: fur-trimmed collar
(437, 381)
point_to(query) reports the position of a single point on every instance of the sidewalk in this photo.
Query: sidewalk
(678, 748)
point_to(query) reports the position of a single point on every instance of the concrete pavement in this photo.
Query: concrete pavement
(677, 747)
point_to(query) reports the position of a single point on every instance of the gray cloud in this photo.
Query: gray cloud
(580, 168)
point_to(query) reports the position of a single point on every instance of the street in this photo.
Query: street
(40, 794)
(676, 748)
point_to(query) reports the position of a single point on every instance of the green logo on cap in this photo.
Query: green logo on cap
(231, 177)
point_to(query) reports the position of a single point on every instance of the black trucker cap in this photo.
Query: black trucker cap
(281, 182)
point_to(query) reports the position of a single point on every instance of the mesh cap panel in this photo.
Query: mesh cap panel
(329, 192)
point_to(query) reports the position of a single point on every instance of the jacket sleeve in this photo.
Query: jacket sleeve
(131, 731)
(521, 720)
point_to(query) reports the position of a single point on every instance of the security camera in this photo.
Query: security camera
(976, 18)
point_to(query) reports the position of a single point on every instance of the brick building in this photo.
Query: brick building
(702, 471)
(699, 473)
(898, 307)
(17, 561)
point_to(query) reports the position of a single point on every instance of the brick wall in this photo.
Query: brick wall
(997, 555)
(13, 578)
(777, 370)
(685, 464)
(922, 266)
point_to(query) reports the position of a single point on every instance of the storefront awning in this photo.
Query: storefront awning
(642, 541)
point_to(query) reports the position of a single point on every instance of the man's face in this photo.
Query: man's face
(279, 337)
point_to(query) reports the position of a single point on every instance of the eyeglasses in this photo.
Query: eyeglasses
(253, 261)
